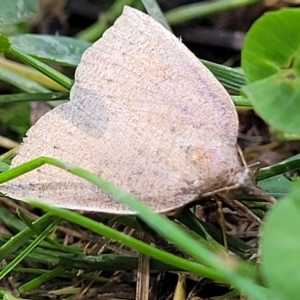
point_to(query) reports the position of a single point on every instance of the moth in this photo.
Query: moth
(144, 114)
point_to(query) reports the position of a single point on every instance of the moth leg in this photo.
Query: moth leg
(222, 221)
(241, 208)
(239, 150)
(221, 190)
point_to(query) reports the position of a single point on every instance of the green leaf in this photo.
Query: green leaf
(277, 100)
(269, 48)
(278, 186)
(271, 62)
(4, 166)
(272, 178)
(4, 43)
(280, 245)
(58, 49)
(16, 11)
(13, 29)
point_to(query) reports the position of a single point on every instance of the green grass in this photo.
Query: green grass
(46, 250)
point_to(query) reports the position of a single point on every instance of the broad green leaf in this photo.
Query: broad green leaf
(16, 11)
(272, 178)
(280, 247)
(277, 100)
(3, 167)
(278, 186)
(271, 62)
(13, 29)
(272, 44)
(58, 49)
